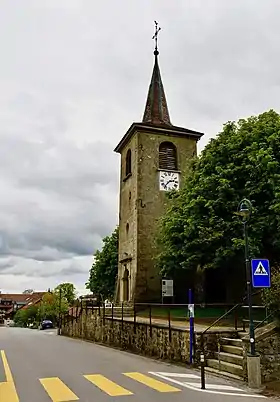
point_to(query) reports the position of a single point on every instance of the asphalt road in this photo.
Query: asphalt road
(39, 366)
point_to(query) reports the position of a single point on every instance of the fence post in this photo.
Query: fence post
(81, 320)
(191, 318)
(236, 320)
(169, 325)
(150, 317)
(202, 363)
(59, 312)
(76, 312)
(122, 316)
(134, 318)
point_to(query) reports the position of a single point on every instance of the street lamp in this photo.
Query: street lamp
(245, 210)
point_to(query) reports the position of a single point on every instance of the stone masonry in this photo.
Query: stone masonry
(158, 341)
(142, 202)
(268, 347)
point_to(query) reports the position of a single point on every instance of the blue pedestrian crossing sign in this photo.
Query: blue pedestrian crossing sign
(260, 273)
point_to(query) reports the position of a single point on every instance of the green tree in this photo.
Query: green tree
(200, 229)
(271, 296)
(102, 278)
(68, 291)
(26, 316)
(50, 305)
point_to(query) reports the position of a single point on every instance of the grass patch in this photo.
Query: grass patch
(206, 314)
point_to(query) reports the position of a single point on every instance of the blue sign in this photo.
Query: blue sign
(260, 273)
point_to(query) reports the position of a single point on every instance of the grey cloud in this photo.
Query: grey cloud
(74, 75)
(63, 269)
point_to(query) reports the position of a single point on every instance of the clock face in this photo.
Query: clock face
(168, 181)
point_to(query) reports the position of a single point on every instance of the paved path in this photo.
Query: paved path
(182, 324)
(39, 366)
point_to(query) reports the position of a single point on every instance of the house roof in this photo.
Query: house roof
(21, 297)
(31, 303)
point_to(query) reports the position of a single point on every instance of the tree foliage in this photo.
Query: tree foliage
(26, 316)
(48, 308)
(102, 278)
(200, 228)
(68, 291)
(271, 296)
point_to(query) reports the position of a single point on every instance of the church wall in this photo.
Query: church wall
(127, 215)
(154, 204)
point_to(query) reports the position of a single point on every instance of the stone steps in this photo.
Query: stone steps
(228, 361)
(232, 342)
(229, 358)
(226, 367)
(223, 373)
(233, 350)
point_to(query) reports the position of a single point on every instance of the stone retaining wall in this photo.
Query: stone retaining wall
(154, 340)
(268, 347)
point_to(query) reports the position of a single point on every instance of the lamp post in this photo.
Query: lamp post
(245, 210)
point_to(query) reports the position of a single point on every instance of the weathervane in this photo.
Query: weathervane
(155, 37)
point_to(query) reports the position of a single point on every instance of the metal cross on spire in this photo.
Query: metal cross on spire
(155, 37)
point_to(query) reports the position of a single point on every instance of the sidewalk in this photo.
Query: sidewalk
(176, 324)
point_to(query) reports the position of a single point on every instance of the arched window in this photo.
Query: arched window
(128, 163)
(167, 156)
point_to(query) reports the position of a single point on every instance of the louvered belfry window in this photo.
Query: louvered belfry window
(167, 156)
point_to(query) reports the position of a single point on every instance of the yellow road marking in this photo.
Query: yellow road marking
(7, 389)
(108, 386)
(152, 383)
(57, 390)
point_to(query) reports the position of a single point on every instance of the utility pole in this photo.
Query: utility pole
(59, 312)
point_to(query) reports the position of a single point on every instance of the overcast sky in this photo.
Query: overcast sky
(74, 75)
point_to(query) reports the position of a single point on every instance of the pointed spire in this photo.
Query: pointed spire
(156, 110)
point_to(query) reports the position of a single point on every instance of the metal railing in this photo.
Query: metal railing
(265, 320)
(202, 355)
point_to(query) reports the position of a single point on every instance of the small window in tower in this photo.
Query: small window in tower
(128, 163)
(167, 156)
(127, 228)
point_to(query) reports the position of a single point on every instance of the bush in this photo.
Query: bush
(271, 296)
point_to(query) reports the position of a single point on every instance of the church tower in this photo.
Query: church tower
(154, 157)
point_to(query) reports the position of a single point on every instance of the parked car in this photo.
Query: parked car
(9, 323)
(45, 324)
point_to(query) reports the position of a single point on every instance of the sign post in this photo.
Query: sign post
(166, 288)
(191, 316)
(261, 277)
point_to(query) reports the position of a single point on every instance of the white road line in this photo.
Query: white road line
(215, 386)
(196, 388)
(177, 375)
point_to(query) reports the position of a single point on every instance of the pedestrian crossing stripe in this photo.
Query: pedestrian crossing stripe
(106, 385)
(260, 270)
(151, 382)
(57, 390)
